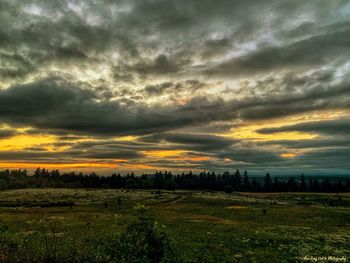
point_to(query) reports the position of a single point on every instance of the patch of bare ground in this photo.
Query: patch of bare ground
(209, 218)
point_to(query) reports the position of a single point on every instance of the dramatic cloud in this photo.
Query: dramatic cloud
(198, 142)
(299, 55)
(5, 133)
(56, 104)
(186, 84)
(330, 127)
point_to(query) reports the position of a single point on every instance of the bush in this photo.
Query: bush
(144, 241)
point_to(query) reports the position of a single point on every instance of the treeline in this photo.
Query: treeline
(228, 182)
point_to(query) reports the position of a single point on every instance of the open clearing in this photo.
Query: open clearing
(238, 227)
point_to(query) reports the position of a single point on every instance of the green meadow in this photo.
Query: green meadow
(80, 225)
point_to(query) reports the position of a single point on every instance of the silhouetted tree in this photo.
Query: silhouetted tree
(204, 180)
(256, 187)
(267, 183)
(315, 186)
(237, 180)
(302, 183)
(246, 183)
(292, 185)
(326, 185)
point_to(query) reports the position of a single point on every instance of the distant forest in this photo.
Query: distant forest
(228, 182)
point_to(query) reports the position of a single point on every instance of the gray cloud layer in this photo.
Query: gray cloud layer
(331, 127)
(177, 73)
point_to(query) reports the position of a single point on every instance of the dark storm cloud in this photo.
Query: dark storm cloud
(301, 54)
(37, 32)
(6, 133)
(14, 65)
(40, 154)
(198, 142)
(158, 89)
(69, 138)
(297, 94)
(56, 104)
(324, 158)
(161, 65)
(56, 33)
(303, 29)
(189, 86)
(329, 127)
(338, 155)
(114, 154)
(32, 154)
(310, 143)
(213, 47)
(109, 147)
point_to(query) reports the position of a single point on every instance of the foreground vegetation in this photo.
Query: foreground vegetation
(82, 225)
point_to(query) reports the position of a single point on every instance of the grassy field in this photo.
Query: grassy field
(204, 226)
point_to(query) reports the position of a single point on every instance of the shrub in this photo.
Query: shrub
(144, 241)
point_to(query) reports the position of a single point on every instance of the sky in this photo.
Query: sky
(176, 85)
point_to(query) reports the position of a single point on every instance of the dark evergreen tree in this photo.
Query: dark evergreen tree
(159, 180)
(302, 183)
(246, 183)
(237, 180)
(256, 187)
(267, 183)
(292, 185)
(315, 186)
(326, 185)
